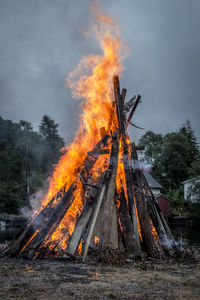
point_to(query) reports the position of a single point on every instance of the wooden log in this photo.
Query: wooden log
(95, 214)
(119, 105)
(51, 224)
(136, 126)
(79, 229)
(128, 236)
(165, 239)
(108, 207)
(128, 105)
(147, 239)
(100, 151)
(123, 95)
(133, 109)
(139, 147)
(29, 231)
(126, 160)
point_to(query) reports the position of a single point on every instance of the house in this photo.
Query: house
(188, 184)
(153, 183)
(164, 204)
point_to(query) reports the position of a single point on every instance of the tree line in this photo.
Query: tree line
(26, 159)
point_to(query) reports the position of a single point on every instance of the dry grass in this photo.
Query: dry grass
(21, 279)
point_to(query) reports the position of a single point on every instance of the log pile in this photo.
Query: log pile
(126, 219)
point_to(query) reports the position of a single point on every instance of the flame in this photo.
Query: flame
(79, 250)
(90, 81)
(31, 238)
(96, 241)
(153, 230)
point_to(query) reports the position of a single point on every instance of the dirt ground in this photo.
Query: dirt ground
(52, 279)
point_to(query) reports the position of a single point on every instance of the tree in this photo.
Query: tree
(174, 156)
(24, 160)
(194, 170)
(192, 142)
(153, 146)
(52, 142)
(24, 125)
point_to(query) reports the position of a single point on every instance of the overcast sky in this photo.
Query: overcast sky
(42, 40)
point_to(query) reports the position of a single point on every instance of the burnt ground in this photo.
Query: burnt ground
(53, 279)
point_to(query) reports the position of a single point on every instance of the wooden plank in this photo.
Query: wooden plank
(108, 207)
(79, 229)
(94, 218)
(126, 159)
(123, 95)
(128, 236)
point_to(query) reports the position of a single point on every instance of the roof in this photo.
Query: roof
(190, 180)
(161, 195)
(153, 183)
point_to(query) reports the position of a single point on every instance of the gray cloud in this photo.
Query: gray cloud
(42, 40)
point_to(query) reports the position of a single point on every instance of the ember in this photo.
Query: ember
(97, 189)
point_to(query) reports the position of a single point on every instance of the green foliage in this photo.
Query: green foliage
(193, 210)
(153, 146)
(176, 197)
(194, 170)
(52, 142)
(175, 157)
(26, 157)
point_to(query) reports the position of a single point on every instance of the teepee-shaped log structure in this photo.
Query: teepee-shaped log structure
(120, 216)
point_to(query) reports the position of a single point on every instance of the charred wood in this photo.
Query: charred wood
(128, 236)
(133, 109)
(147, 239)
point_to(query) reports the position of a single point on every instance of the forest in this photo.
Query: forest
(27, 159)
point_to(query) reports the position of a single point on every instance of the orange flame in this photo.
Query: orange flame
(31, 238)
(96, 241)
(153, 230)
(91, 81)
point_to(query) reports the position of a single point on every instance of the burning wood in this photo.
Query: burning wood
(133, 223)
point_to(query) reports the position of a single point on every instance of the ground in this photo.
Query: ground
(51, 279)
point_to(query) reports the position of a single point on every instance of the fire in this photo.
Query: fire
(31, 238)
(96, 241)
(92, 82)
(153, 230)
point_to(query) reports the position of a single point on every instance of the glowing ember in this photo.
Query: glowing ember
(31, 238)
(153, 230)
(96, 241)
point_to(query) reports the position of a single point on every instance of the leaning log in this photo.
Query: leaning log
(79, 229)
(166, 239)
(147, 239)
(126, 160)
(94, 218)
(108, 208)
(125, 224)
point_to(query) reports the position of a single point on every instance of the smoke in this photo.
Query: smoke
(35, 201)
(141, 165)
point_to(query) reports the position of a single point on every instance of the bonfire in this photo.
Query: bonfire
(98, 199)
